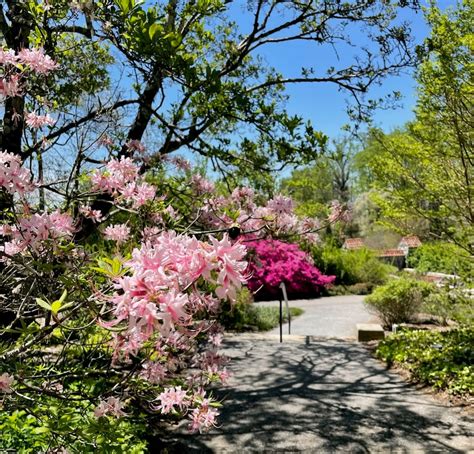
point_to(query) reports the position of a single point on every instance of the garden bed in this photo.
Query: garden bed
(441, 359)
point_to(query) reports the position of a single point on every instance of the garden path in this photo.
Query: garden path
(324, 395)
(333, 316)
(319, 394)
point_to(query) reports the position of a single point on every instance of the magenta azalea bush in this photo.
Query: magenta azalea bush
(273, 262)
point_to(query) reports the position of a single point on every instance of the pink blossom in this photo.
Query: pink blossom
(136, 145)
(153, 372)
(38, 121)
(216, 339)
(8, 57)
(33, 231)
(203, 418)
(276, 262)
(338, 212)
(201, 185)
(281, 204)
(231, 266)
(88, 212)
(117, 232)
(37, 60)
(153, 297)
(117, 174)
(105, 140)
(173, 397)
(139, 194)
(10, 87)
(111, 406)
(13, 177)
(6, 382)
(181, 163)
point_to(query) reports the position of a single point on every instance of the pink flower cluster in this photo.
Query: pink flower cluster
(120, 179)
(201, 185)
(6, 382)
(33, 231)
(339, 212)
(13, 177)
(111, 406)
(38, 121)
(159, 297)
(117, 232)
(275, 262)
(34, 60)
(276, 216)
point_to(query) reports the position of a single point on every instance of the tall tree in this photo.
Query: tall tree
(198, 80)
(426, 169)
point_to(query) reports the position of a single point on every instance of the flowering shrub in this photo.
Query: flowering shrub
(104, 331)
(274, 262)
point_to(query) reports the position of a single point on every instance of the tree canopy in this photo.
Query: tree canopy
(425, 170)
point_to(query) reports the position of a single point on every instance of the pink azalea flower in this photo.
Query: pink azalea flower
(171, 398)
(10, 87)
(111, 406)
(88, 212)
(136, 145)
(105, 140)
(181, 163)
(13, 177)
(153, 372)
(117, 232)
(203, 418)
(201, 185)
(6, 382)
(38, 121)
(281, 204)
(8, 57)
(37, 60)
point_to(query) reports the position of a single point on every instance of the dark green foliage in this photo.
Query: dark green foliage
(399, 300)
(444, 360)
(442, 258)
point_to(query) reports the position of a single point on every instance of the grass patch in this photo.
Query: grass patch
(444, 360)
(250, 317)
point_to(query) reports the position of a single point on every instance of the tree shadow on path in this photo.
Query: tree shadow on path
(325, 395)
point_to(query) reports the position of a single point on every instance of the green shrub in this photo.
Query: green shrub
(398, 300)
(351, 267)
(444, 360)
(244, 315)
(442, 258)
(450, 304)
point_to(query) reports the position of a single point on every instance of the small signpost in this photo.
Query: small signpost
(285, 297)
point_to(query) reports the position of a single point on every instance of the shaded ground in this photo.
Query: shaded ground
(324, 395)
(333, 316)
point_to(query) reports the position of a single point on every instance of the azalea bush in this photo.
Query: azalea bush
(273, 262)
(113, 281)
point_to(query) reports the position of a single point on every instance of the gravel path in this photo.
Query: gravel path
(334, 316)
(324, 395)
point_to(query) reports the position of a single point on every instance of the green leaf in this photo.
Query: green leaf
(43, 304)
(56, 306)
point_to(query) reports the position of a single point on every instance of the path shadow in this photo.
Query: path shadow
(324, 395)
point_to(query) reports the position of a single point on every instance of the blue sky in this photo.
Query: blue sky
(323, 104)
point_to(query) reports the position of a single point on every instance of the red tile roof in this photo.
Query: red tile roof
(353, 243)
(391, 253)
(410, 241)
